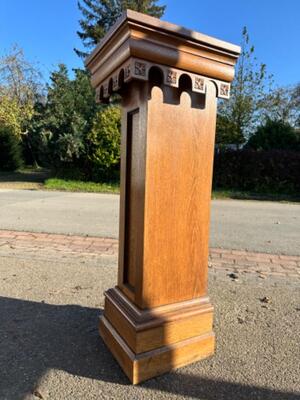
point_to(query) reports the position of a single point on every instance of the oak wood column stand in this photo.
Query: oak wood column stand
(159, 317)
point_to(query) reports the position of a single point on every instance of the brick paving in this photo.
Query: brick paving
(234, 261)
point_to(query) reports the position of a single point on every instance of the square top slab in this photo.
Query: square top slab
(150, 39)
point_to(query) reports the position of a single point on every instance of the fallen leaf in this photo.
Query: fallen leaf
(265, 300)
(37, 393)
(262, 276)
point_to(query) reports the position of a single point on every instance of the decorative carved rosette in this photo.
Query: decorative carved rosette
(139, 69)
(171, 77)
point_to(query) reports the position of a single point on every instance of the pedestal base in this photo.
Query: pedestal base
(147, 343)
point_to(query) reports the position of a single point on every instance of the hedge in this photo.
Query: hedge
(262, 171)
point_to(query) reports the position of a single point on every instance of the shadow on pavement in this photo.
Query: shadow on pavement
(36, 337)
(209, 389)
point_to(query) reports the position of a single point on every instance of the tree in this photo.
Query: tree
(58, 131)
(20, 87)
(275, 135)
(10, 149)
(248, 94)
(100, 15)
(283, 104)
(104, 144)
(10, 114)
(227, 132)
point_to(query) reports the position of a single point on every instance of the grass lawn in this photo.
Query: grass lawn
(238, 195)
(42, 179)
(79, 186)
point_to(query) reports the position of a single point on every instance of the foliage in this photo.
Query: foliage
(70, 146)
(10, 114)
(58, 131)
(227, 132)
(274, 171)
(247, 99)
(283, 104)
(10, 150)
(275, 135)
(104, 144)
(100, 15)
(20, 87)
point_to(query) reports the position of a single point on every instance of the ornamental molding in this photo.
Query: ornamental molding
(137, 69)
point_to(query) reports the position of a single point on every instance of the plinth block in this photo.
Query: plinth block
(143, 366)
(145, 330)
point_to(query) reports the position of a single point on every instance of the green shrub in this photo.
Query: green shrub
(104, 145)
(275, 135)
(274, 171)
(10, 150)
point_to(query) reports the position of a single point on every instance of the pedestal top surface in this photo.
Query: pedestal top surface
(146, 38)
(166, 27)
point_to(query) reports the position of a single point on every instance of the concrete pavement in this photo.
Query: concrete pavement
(51, 295)
(50, 348)
(235, 224)
(59, 212)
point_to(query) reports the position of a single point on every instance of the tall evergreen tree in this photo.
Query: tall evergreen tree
(58, 130)
(100, 15)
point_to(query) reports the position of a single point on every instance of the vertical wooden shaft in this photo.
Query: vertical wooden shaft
(168, 144)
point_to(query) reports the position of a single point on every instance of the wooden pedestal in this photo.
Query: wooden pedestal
(159, 317)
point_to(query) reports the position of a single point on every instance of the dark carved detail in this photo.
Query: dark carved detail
(105, 90)
(115, 82)
(140, 68)
(127, 72)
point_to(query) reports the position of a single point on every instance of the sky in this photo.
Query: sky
(46, 30)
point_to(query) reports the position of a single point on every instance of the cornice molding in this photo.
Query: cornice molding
(138, 69)
(138, 38)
